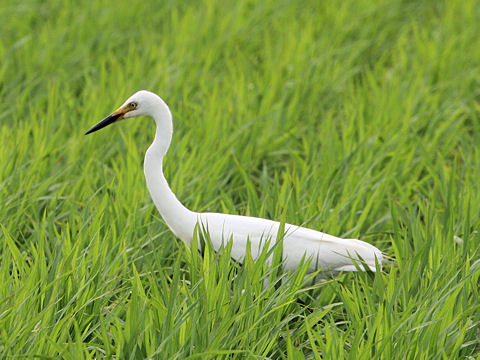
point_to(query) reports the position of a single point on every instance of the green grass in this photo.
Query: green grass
(357, 118)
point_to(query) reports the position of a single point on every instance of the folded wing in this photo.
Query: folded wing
(326, 252)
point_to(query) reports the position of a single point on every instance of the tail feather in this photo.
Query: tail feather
(358, 255)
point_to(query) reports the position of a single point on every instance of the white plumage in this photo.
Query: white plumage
(326, 252)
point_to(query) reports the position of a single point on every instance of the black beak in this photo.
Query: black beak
(107, 121)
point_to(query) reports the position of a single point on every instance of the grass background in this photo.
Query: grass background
(357, 118)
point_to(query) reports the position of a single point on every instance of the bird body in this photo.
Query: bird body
(326, 252)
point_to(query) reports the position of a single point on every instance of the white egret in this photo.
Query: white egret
(327, 252)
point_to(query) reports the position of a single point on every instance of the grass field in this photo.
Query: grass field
(357, 118)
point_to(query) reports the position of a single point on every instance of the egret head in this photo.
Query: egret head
(141, 103)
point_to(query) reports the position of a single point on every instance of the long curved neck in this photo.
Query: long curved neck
(178, 218)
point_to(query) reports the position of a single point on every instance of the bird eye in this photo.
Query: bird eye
(133, 105)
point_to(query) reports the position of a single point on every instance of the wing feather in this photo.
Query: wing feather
(326, 252)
